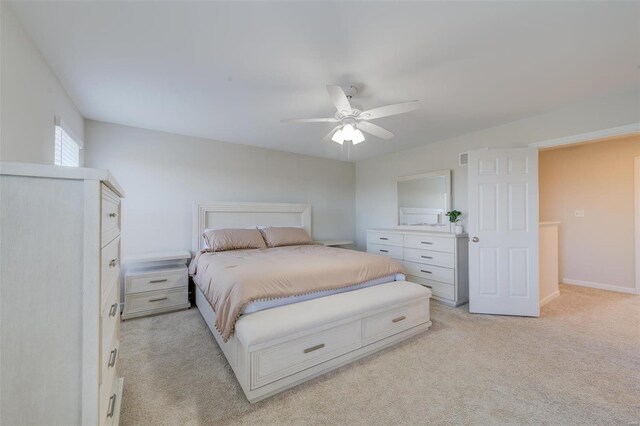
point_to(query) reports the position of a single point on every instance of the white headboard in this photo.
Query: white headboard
(243, 215)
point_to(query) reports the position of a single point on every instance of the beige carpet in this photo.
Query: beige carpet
(577, 364)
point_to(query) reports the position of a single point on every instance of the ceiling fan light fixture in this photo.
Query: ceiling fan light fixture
(338, 137)
(348, 131)
(357, 137)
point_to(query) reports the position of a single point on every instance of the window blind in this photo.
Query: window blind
(67, 152)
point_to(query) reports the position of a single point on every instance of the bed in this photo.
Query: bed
(273, 345)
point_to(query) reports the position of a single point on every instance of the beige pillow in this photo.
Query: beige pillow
(285, 236)
(233, 239)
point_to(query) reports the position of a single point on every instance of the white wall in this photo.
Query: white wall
(31, 96)
(375, 178)
(162, 175)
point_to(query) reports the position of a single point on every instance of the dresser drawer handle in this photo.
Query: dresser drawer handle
(113, 214)
(426, 257)
(113, 310)
(158, 299)
(113, 263)
(314, 348)
(112, 358)
(383, 238)
(426, 242)
(399, 319)
(426, 272)
(158, 281)
(112, 405)
(384, 251)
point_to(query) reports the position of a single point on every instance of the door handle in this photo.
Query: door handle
(475, 239)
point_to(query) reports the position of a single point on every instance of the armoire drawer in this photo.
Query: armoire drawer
(284, 359)
(158, 280)
(109, 266)
(110, 215)
(386, 239)
(430, 272)
(388, 251)
(427, 242)
(388, 323)
(430, 257)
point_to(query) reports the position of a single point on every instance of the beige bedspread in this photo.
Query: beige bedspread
(232, 279)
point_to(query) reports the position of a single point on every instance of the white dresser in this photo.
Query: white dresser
(59, 304)
(437, 260)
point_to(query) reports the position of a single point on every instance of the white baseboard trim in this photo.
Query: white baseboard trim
(549, 298)
(599, 286)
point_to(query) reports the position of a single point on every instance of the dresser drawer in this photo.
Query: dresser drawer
(155, 301)
(430, 272)
(109, 266)
(157, 280)
(430, 257)
(388, 251)
(110, 217)
(110, 316)
(438, 289)
(383, 325)
(109, 400)
(430, 243)
(385, 238)
(285, 359)
(109, 358)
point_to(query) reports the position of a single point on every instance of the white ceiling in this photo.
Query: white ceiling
(231, 71)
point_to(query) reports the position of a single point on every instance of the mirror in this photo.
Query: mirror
(423, 200)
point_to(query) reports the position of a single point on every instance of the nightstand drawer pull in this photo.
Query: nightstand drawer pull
(158, 299)
(314, 348)
(158, 281)
(112, 358)
(384, 251)
(427, 257)
(113, 310)
(112, 405)
(426, 272)
(399, 319)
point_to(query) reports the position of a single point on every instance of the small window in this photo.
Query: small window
(67, 152)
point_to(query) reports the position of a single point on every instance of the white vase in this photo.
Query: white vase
(459, 229)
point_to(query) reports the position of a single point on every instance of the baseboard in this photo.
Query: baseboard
(549, 298)
(600, 286)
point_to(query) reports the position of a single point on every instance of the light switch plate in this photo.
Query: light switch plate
(579, 213)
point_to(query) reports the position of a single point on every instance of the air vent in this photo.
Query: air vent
(464, 158)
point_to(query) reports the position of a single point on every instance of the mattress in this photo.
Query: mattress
(274, 303)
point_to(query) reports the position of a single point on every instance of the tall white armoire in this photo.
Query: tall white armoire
(59, 295)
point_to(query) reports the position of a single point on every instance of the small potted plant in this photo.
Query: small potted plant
(454, 217)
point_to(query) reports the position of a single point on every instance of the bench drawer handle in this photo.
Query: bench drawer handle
(399, 319)
(158, 281)
(158, 299)
(314, 348)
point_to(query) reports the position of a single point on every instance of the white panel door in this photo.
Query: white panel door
(503, 232)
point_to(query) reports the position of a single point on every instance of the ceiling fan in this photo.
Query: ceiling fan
(354, 121)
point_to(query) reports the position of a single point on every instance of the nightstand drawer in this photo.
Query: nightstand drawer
(157, 280)
(157, 301)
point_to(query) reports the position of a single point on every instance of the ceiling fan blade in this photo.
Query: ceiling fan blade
(311, 120)
(339, 99)
(374, 130)
(389, 110)
(330, 134)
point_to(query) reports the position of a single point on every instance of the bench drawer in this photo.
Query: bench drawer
(429, 257)
(160, 280)
(430, 272)
(285, 359)
(388, 251)
(427, 242)
(385, 239)
(388, 323)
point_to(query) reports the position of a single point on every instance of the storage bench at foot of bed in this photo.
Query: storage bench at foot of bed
(278, 348)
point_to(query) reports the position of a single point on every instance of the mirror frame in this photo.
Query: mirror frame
(446, 227)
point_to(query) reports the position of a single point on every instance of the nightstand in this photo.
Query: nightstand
(155, 283)
(335, 243)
